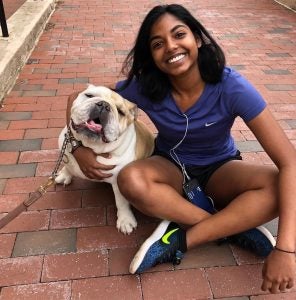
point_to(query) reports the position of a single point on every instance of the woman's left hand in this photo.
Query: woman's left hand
(278, 272)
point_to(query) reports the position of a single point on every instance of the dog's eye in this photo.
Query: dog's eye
(89, 95)
(120, 112)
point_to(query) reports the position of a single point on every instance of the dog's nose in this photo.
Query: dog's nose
(103, 105)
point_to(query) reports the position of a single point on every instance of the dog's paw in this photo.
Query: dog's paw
(126, 223)
(63, 178)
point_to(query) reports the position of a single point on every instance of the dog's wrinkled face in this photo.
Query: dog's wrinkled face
(98, 112)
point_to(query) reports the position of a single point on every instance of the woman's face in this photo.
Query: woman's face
(173, 46)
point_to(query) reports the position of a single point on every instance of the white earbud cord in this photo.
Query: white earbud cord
(175, 156)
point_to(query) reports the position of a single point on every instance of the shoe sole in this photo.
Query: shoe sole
(266, 232)
(155, 236)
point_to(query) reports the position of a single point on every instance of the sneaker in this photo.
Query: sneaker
(258, 240)
(162, 246)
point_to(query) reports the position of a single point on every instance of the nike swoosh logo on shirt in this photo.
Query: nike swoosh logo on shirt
(210, 124)
(165, 238)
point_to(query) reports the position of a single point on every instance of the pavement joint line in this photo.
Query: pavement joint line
(24, 27)
(286, 6)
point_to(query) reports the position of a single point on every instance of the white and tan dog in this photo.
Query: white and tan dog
(105, 122)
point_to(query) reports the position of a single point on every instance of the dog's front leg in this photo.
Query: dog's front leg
(126, 220)
(64, 176)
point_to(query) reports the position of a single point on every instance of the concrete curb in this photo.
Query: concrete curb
(25, 27)
(289, 4)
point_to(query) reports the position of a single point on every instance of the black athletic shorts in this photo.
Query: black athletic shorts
(201, 173)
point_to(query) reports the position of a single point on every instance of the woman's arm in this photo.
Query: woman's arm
(85, 157)
(279, 267)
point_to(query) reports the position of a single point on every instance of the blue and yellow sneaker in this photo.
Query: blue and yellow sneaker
(259, 240)
(166, 244)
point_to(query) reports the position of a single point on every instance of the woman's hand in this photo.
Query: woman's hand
(88, 164)
(278, 272)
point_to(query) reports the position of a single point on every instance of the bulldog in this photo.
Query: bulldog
(105, 122)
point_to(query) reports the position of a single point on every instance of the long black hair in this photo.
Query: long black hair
(140, 65)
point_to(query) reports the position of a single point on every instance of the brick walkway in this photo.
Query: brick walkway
(66, 246)
(11, 6)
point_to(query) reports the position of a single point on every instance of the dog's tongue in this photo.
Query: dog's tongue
(91, 125)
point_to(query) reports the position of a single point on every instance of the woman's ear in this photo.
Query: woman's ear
(198, 42)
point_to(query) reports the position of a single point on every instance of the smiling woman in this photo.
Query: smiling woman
(176, 73)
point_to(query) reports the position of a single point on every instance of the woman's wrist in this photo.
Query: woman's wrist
(284, 250)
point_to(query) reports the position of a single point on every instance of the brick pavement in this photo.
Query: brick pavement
(66, 246)
(10, 7)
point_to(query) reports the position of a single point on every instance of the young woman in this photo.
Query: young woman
(177, 75)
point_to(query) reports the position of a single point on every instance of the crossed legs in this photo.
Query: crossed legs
(245, 194)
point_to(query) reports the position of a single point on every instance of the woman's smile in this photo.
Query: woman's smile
(176, 58)
(174, 47)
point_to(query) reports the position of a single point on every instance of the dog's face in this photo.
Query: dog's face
(100, 113)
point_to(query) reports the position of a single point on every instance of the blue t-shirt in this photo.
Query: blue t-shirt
(210, 119)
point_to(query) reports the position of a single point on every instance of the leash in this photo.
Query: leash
(42, 189)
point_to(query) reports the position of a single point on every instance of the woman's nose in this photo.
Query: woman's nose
(171, 45)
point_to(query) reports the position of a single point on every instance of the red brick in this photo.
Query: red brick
(235, 281)
(78, 217)
(39, 156)
(20, 270)
(101, 196)
(25, 124)
(9, 108)
(112, 288)
(51, 143)
(21, 100)
(11, 134)
(7, 243)
(24, 185)
(75, 266)
(12, 6)
(207, 255)
(106, 237)
(8, 158)
(189, 284)
(58, 200)
(29, 107)
(41, 115)
(8, 202)
(52, 291)
(60, 123)
(120, 259)
(28, 221)
(2, 185)
(282, 296)
(243, 256)
(42, 133)
(45, 168)
(78, 184)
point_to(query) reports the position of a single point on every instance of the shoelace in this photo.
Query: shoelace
(174, 255)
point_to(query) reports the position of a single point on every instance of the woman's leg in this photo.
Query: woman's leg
(154, 187)
(245, 194)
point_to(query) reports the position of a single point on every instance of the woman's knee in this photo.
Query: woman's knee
(132, 182)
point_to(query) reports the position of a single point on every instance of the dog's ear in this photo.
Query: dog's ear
(132, 108)
(90, 85)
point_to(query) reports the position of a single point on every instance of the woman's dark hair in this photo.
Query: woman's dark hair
(140, 65)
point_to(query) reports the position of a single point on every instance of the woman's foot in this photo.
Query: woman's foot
(166, 244)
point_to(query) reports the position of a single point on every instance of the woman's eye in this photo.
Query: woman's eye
(180, 35)
(156, 45)
(89, 95)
